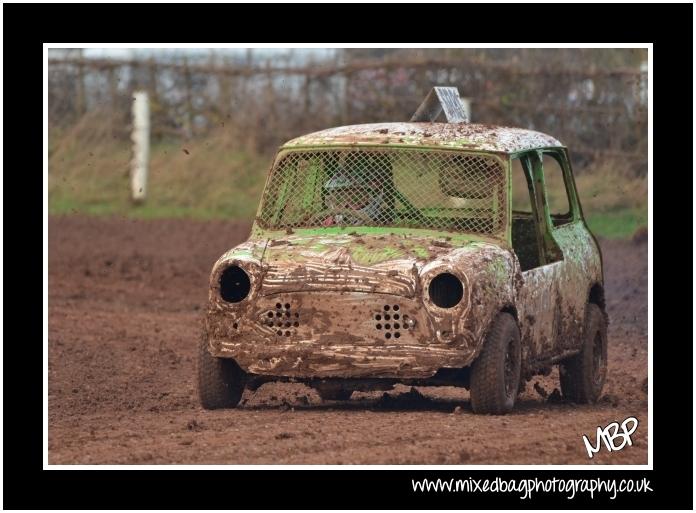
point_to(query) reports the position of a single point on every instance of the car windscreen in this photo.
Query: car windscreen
(392, 187)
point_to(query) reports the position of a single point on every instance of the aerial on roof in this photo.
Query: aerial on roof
(470, 136)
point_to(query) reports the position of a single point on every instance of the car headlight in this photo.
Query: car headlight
(235, 284)
(445, 290)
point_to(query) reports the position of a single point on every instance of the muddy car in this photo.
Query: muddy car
(423, 253)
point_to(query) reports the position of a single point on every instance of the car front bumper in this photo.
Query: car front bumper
(336, 334)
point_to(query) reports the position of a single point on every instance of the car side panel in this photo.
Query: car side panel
(581, 269)
(536, 303)
(551, 301)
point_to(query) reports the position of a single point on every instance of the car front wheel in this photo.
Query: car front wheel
(495, 375)
(220, 380)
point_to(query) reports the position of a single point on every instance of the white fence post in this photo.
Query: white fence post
(141, 146)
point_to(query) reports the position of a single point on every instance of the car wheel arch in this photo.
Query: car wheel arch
(512, 310)
(508, 308)
(596, 296)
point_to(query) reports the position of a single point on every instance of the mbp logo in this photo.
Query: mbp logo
(610, 435)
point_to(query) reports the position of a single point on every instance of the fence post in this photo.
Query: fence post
(141, 146)
(80, 102)
(113, 99)
(188, 120)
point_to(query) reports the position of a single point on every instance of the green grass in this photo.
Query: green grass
(215, 179)
(614, 200)
(620, 224)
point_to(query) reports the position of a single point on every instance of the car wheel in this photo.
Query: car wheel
(220, 380)
(495, 375)
(582, 376)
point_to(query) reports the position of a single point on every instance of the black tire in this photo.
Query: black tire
(495, 375)
(582, 376)
(220, 380)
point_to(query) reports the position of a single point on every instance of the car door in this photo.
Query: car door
(580, 266)
(540, 257)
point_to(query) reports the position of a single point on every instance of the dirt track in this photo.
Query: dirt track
(125, 311)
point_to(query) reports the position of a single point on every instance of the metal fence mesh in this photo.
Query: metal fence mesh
(442, 190)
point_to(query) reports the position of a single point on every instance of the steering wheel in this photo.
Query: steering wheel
(356, 214)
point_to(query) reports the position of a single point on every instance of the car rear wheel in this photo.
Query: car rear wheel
(582, 376)
(495, 375)
(220, 380)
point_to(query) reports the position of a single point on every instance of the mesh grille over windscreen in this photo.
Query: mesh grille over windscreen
(441, 190)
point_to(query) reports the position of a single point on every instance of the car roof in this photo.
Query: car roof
(470, 136)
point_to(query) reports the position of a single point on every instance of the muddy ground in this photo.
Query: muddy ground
(126, 300)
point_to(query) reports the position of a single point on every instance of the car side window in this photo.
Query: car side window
(556, 189)
(525, 232)
(521, 200)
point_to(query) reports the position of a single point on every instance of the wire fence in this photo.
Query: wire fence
(598, 112)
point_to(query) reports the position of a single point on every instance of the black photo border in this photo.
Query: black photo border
(28, 26)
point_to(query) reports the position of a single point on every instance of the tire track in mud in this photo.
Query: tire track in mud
(126, 300)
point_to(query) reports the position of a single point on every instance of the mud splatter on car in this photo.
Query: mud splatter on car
(390, 253)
